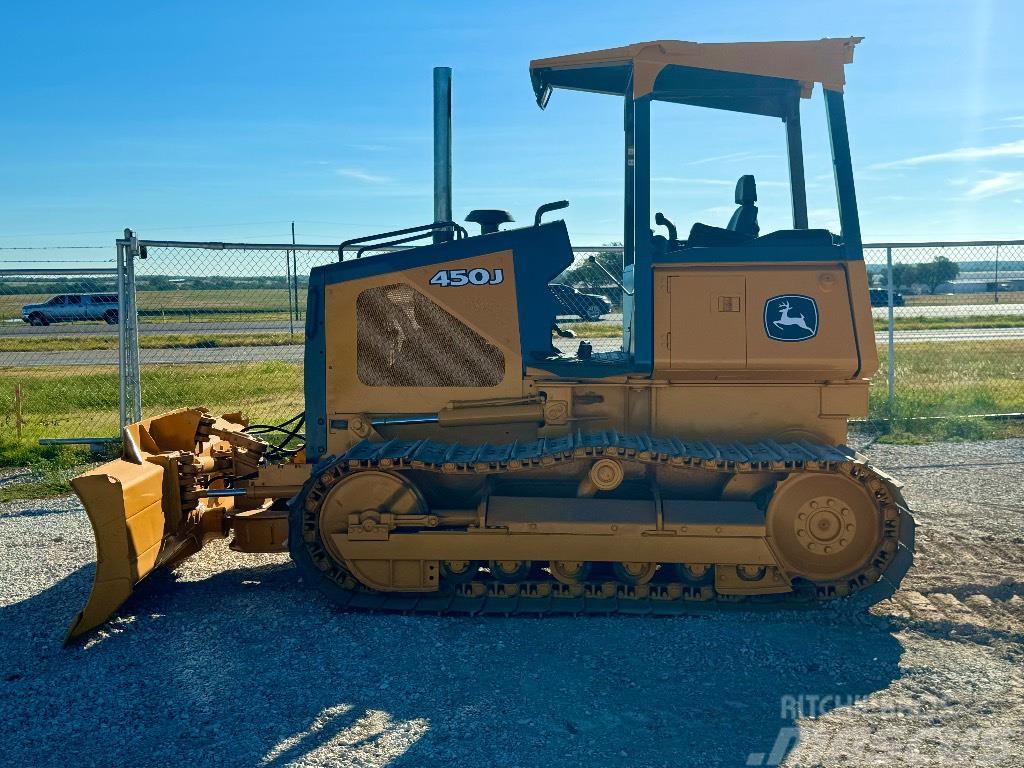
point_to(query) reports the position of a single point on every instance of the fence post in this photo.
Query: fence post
(997, 273)
(288, 290)
(128, 331)
(19, 417)
(892, 348)
(295, 276)
(122, 344)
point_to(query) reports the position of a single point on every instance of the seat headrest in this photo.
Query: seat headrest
(746, 190)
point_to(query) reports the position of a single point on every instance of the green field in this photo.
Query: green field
(56, 403)
(147, 341)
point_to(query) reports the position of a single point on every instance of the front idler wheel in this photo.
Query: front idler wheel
(823, 527)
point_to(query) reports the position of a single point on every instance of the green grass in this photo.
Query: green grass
(588, 330)
(953, 429)
(951, 381)
(147, 341)
(51, 466)
(926, 300)
(83, 401)
(939, 323)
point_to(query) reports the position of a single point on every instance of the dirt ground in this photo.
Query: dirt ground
(235, 663)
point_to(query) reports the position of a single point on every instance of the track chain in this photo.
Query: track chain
(878, 581)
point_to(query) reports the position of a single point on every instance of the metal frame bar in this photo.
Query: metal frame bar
(130, 375)
(891, 373)
(122, 342)
(846, 193)
(797, 180)
(628, 256)
(32, 272)
(643, 273)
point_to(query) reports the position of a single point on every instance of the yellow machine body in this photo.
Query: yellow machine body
(459, 455)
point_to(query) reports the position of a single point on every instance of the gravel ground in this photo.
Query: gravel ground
(235, 663)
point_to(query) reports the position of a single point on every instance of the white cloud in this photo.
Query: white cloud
(1009, 181)
(1014, 121)
(961, 154)
(716, 211)
(733, 156)
(703, 182)
(359, 175)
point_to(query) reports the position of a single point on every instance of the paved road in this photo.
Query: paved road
(18, 328)
(293, 352)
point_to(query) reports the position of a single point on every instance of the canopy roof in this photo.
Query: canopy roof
(761, 78)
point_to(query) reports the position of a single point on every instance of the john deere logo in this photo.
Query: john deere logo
(791, 318)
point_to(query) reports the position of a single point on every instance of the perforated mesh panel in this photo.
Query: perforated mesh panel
(406, 340)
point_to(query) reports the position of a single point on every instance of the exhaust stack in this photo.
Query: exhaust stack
(442, 150)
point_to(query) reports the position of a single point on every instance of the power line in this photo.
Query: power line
(53, 247)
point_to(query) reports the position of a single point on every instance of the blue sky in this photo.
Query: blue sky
(228, 120)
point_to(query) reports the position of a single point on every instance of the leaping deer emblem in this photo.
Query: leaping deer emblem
(785, 319)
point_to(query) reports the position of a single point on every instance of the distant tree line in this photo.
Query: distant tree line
(929, 274)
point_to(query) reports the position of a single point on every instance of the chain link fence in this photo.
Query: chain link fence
(951, 337)
(222, 325)
(59, 353)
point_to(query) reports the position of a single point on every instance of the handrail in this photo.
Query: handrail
(424, 230)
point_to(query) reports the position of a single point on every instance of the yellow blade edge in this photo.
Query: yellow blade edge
(139, 515)
(124, 503)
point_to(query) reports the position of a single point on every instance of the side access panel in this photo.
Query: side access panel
(756, 320)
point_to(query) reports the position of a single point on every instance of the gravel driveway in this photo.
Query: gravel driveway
(235, 663)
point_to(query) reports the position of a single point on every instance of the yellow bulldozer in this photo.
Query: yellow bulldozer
(458, 455)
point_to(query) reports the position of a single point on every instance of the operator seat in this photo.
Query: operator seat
(744, 220)
(742, 228)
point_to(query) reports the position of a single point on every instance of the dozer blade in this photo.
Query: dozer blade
(145, 507)
(123, 502)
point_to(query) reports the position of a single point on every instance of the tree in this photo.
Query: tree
(903, 276)
(940, 270)
(585, 273)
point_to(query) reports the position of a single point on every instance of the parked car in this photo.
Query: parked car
(68, 307)
(587, 306)
(880, 298)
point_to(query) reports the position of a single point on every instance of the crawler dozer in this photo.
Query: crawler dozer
(460, 454)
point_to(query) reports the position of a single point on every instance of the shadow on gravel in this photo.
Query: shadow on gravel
(249, 667)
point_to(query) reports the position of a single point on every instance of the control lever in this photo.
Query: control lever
(663, 221)
(546, 208)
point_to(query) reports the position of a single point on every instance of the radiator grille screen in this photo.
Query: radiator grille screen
(406, 340)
